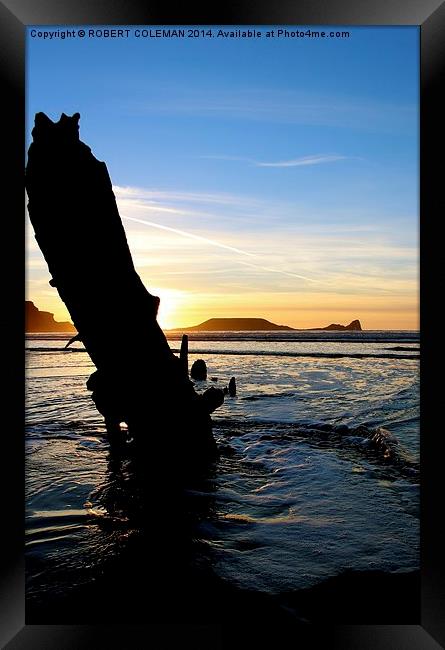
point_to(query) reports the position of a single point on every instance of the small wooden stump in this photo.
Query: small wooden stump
(199, 370)
(184, 354)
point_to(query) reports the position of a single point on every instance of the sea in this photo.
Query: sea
(318, 473)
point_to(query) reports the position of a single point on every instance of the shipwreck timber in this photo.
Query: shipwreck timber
(77, 226)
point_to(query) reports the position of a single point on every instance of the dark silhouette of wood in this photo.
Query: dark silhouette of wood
(199, 370)
(77, 225)
(72, 340)
(184, 354)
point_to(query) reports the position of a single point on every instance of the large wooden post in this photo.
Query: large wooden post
(78, 228)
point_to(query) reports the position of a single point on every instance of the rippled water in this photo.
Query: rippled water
(302, 490)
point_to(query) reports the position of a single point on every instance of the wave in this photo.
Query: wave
(264, 353)
(404, 349)
(375, 443)
(298, 337)
(260, 396)
(368, 336)
(50, 350)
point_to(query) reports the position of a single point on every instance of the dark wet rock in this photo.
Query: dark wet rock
(199, 370)
(226, 450)
(212, 398)
(324, 426)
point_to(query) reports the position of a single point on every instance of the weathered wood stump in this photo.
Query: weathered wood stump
(77, 225)
(199, 370)
(184, 354)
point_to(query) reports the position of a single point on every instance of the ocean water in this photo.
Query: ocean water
(318, 473)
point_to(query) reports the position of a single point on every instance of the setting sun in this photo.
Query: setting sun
(170, 306)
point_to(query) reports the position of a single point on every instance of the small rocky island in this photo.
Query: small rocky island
(235, 325)
(354, 326)
(261, 325)
(43, 321)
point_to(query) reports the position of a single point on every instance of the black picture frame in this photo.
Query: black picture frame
(15, 15)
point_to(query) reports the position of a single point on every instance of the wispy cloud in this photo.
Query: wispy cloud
(303, 161)
(160, 197)
(284, 106)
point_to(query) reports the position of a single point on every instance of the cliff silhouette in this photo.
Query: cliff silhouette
(43, 321)
(235, 324)
(354, 326)
(260, 325)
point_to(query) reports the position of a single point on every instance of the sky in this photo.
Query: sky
(264, 177)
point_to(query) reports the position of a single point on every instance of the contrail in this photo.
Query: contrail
(212, 242)
(266, 268)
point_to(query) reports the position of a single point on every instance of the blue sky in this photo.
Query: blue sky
(301, 154)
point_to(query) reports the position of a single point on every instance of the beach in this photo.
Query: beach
(306, 516)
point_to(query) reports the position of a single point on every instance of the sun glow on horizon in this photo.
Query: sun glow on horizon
(170, 306)
(182, 309)
(257, 184)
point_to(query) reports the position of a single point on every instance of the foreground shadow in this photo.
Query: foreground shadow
(158, 570)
